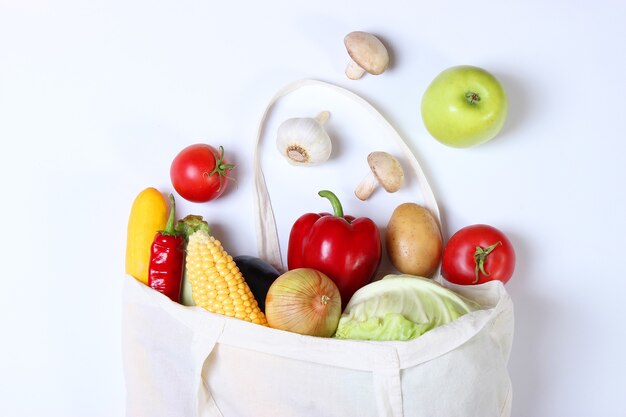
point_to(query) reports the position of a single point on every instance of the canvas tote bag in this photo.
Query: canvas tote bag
(184, 361)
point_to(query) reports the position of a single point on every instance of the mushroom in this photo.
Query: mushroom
(385, 170)
(368, 54)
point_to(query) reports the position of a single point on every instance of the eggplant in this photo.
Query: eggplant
(259, 276)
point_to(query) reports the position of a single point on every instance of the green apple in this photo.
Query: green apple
(464, 106)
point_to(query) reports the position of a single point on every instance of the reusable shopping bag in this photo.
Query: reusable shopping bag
(186, 362)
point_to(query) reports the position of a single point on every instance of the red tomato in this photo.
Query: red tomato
(477, 254)
(199, 173)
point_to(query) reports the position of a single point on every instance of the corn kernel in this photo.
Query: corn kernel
(217, 283)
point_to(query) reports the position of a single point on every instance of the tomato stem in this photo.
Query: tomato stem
(472, 97)
(334, 201)
(480, 255)
(221, 168)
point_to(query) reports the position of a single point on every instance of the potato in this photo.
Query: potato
(413, 239)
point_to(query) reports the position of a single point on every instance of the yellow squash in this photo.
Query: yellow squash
(148, 216)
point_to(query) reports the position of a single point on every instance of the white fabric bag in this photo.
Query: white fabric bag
(184, 361)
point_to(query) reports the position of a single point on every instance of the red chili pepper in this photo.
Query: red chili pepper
(345, 248)
(167, 259)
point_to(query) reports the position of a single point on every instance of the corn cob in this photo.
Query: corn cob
(217, 284)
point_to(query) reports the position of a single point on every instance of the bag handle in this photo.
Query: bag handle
(268, 244)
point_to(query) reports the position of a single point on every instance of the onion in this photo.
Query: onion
(304, 301)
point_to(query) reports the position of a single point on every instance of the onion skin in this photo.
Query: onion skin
(304, 301)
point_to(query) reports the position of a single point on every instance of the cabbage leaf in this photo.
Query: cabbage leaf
(400, 307)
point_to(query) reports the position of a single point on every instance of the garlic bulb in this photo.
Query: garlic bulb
(303, 140)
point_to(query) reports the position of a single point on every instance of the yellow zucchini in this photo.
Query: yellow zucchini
(148, 216)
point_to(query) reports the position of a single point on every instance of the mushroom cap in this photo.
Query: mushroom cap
(368, 51)
(387, 170)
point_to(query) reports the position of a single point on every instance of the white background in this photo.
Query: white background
(97, 97)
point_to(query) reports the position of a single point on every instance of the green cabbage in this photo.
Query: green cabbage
(400, 307)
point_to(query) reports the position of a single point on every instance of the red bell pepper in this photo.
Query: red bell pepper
(345, 248)
(167, 259)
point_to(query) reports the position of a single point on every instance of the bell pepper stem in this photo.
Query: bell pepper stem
(334, 202)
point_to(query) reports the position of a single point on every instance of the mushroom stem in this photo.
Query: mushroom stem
(354, 71)
(366, 187)
(322, 117)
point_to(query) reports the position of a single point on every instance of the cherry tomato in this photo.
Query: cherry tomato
(199, 173)
(477, 254)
